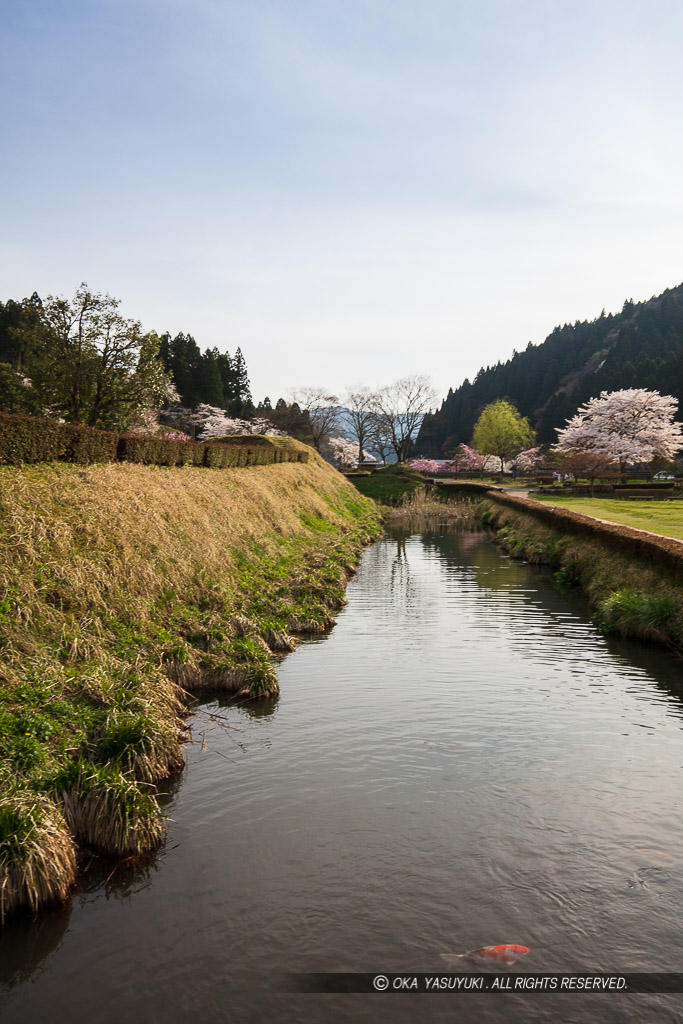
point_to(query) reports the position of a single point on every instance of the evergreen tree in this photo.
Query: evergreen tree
(209, 382)
(239, 399)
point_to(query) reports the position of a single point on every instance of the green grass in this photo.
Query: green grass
(389, 485)
(663, 517)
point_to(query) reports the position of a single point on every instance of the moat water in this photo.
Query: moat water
(464, 760)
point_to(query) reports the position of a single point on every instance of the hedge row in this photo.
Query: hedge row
(29, 439)
(661, 550)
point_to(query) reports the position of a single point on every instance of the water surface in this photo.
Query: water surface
(464, 760)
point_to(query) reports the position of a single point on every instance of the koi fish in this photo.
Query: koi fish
(506, 954)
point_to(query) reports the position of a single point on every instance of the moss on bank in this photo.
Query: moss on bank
(123, 587)
(629, 595)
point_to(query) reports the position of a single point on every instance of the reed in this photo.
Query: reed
(422, 506)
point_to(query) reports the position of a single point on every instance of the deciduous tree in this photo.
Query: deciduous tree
(501, 431)
(400, 409)
(90, 365)
(359, 403)
(628, 426)
(323, 412)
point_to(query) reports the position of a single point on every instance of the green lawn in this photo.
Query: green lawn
(665, 517)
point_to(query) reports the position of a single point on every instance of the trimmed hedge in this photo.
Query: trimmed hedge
(38, 439)
(90, 445)
(254, 450)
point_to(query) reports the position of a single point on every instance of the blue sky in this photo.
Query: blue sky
(350, 190)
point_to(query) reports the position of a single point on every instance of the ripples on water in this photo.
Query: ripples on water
(463, 761)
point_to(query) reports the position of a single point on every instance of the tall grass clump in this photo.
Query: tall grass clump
(107, 811)
(420, 506)
(37, 853)
(649, 616)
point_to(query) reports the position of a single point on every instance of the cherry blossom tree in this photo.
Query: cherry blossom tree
(527, 461)
(345, 452)
(628, 426)
(210, 421)
(424, 465)
(465, 459)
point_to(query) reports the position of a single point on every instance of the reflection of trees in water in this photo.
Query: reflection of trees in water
(474, 549)
(409, 589)
(400, 583)
(517, 584)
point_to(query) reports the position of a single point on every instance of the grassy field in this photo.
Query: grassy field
(663, 517)
(123, 587)
(390, 485)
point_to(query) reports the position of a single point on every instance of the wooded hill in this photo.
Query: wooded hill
(640, 347)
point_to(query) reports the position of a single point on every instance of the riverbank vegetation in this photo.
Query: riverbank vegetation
(421, 507)
(123, 589)
(629, 595)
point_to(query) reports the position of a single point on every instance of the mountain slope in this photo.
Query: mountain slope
(640, 347)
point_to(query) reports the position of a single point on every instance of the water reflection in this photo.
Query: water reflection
(28, 942)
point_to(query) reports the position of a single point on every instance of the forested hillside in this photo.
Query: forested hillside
(640, 347)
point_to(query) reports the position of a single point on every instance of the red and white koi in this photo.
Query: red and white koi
(508, 954)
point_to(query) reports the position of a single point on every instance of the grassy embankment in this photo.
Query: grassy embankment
(663, 517)
(121, 588)
(629, 595)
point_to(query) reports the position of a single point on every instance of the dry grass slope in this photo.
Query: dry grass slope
(123, 587)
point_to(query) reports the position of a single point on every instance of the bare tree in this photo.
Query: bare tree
(359, 403)
(400, 409)
(379, 437)
(322, 409)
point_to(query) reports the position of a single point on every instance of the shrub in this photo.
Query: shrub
(32, 439)
(38, 439)
(146, 450)
(90, 445)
